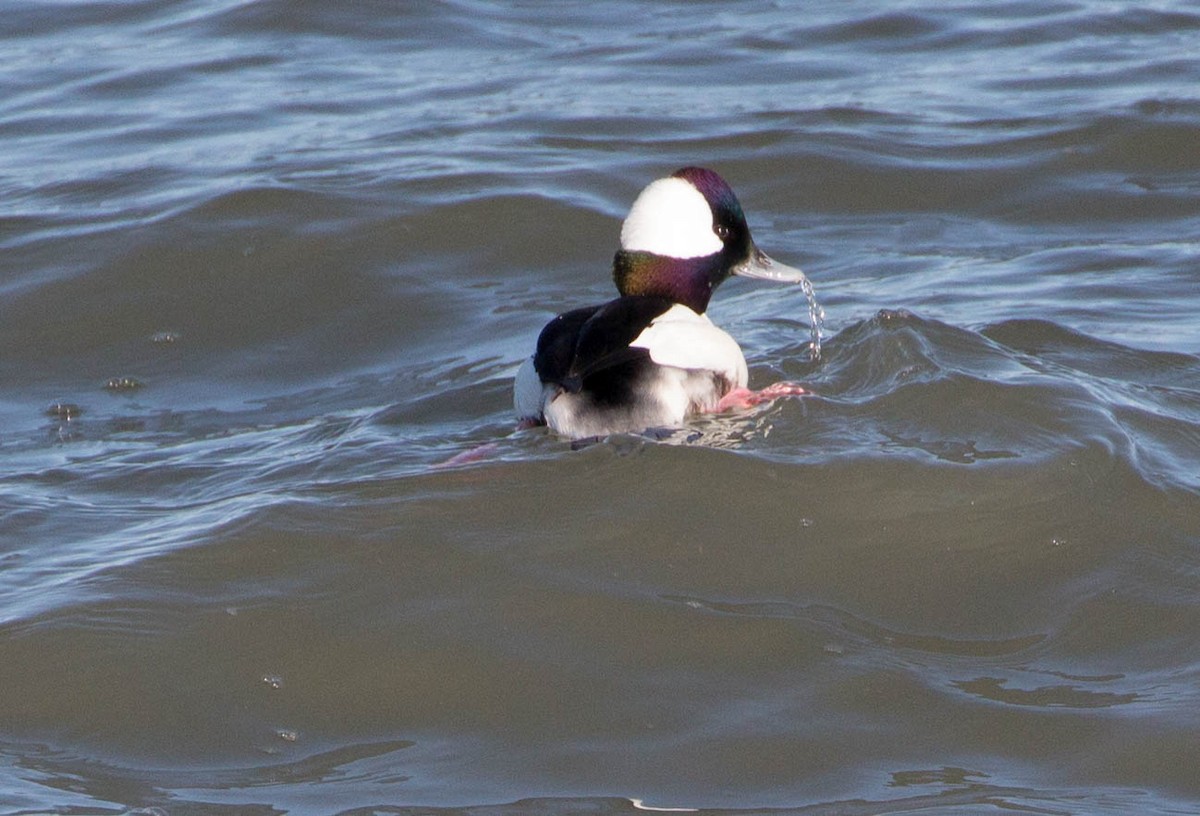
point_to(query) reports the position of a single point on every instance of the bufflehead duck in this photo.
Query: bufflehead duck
(651, 358)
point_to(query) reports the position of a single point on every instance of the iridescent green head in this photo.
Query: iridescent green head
(683, 236)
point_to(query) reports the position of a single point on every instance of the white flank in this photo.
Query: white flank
(683, 339)
(671, 218)
(528, 392)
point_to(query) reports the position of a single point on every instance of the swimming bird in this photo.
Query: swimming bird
(651, 358)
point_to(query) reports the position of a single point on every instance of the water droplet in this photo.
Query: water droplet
(816, 319)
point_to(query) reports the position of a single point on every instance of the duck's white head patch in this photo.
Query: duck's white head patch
(670, 217)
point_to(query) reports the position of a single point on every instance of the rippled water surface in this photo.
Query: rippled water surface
(267, 267)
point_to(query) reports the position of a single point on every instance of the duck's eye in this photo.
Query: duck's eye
(722, 231)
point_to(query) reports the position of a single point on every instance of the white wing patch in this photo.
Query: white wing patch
(683, 339)
(671, 218)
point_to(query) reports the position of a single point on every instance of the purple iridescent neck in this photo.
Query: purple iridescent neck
(689, 281)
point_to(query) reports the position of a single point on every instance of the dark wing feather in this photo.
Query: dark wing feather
(582, 342)
(556, 344)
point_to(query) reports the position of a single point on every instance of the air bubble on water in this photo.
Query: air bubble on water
(273, 681)
(287, 735)
(123, 384)
(63, 410)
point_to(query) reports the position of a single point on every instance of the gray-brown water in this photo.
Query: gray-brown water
(266, 264)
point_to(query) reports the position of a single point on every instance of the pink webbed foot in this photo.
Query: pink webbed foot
(479, 453)
(740, 399)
